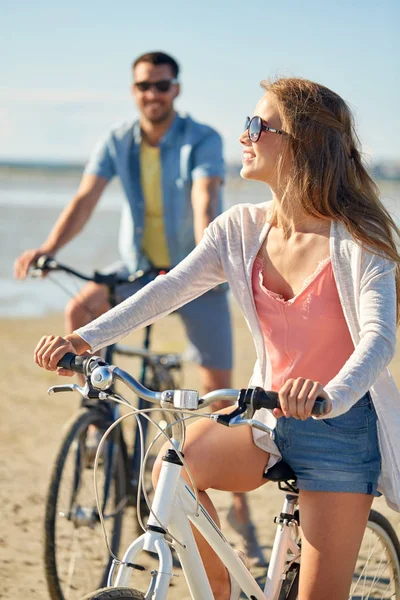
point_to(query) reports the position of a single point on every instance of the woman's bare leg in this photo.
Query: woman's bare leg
(209, 450)
(332, 526)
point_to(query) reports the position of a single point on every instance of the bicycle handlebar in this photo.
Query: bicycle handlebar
(102, 375)
(258, 398)
(75, 363)
(48, 263)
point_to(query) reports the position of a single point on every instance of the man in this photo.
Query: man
(171, 169)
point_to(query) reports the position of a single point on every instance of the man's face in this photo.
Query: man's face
(155, 105)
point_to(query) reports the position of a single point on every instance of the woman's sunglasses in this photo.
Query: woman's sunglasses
(255, 127)
(163, 85)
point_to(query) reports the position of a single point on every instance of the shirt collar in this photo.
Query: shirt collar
(169, 136)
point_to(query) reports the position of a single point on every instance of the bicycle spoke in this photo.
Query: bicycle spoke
(377, 576)
(71, 565)
(76, 553)
(370, 552)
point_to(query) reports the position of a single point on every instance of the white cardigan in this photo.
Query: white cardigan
(366, 287)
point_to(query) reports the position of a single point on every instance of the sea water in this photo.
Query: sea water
(29, 206)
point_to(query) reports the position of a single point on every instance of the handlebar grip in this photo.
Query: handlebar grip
(320, 407)
(265, 399)
(45, 262)
(72, 362)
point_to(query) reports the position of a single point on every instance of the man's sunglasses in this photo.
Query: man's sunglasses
(163, 85)
(255, 127)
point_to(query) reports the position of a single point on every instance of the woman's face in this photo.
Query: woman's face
(260, 159)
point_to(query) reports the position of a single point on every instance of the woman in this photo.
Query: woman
(315, 272)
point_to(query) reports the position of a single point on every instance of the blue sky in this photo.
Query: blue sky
(65, 71)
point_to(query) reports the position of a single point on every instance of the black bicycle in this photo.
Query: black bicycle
(76, 560)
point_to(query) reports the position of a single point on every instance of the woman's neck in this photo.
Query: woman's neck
(292, 219)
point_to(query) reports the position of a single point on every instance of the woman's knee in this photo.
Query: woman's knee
(194, 462)
(155, 474)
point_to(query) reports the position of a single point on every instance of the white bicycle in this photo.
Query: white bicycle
(175, 508)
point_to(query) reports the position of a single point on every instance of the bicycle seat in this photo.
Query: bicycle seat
(280, 472)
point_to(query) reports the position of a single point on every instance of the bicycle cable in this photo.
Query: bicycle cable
(72, 294)
(162, 431)
(98, 453)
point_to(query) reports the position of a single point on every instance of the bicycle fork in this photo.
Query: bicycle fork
(153, 540)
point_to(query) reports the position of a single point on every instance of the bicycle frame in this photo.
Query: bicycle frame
(175, 507)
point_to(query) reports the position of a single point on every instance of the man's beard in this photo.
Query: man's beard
(157, 120)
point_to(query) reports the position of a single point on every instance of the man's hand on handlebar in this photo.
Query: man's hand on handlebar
(52, 348)
(27, 260)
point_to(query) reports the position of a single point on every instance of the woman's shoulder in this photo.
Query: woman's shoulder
(348, 247)
(244, 215)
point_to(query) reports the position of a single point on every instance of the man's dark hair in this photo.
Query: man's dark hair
(158, 58)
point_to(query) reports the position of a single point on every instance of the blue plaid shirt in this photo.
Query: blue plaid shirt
(188, 151)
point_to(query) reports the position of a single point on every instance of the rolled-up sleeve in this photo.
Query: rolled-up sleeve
(101, 162)
(207, 157)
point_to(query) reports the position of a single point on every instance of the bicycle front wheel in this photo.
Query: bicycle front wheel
(377, 571)
(114, 593)
(76, 556)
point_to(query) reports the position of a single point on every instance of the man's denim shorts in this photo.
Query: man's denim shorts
(206, 319)
(333, 455)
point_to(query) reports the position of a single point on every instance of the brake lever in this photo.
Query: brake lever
(88, 392)
(235, 419)
(256, 425)
(244, 407)
(36, 273)
(69, 387)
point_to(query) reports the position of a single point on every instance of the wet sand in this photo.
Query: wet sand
(30, 428)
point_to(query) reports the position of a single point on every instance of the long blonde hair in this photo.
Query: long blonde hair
(327, 176)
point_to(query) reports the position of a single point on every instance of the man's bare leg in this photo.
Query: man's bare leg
(87, 305)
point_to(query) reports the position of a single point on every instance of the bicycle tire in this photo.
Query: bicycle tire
(384, 587)
(386, 544)
(120, 593)
(60, 527)
(290, 585)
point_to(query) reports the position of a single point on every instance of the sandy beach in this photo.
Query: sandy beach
(30, 428)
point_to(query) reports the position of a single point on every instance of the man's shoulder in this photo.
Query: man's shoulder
(120, 132)
(197, 130)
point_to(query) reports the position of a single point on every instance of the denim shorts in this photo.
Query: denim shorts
(333, 455)
(206, 320)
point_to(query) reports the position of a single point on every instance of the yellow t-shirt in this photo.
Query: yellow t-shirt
(154, 243)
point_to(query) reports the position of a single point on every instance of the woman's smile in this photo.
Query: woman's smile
(248, 156)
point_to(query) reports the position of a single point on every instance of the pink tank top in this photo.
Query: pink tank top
(306, 336)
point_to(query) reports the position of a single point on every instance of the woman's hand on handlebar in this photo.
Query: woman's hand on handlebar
(297, 397)
(52, 348)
